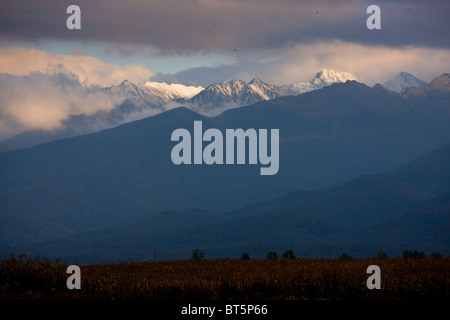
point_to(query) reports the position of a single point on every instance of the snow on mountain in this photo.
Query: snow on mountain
(403, 81)
(219, 97)
(171, 91)
(266, 91)
(139, 101)
(152, 94)
(150, 98)
(323, 78)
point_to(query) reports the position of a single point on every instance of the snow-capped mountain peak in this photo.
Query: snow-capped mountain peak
(326, 76)
(231, 93)
(264, 90)
(257, 81)
(403, 81)
(172, 91)
(219, 97)
(152, 94)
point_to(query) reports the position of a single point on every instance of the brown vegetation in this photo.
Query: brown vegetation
(24, 278)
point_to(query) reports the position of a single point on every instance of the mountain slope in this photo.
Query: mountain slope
(219, 97)
(138, 101)
(125, 174)
(150, 98)
(323, 78)
(152, 94)
(369, 198)
(437, 87)
(233, 93)
(424, 226)
(408, 207)
(403, 81)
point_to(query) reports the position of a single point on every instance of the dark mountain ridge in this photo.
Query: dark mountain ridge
(404, 208)
(125, 174)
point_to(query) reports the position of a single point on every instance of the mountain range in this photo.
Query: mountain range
(124, 176)
(402, 208)
(150, 98)
(219, 97)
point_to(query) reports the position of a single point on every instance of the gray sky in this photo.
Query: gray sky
(192, 26)
(229, 38)
(206, 41)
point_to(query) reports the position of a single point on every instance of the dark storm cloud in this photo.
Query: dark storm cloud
(188, 26)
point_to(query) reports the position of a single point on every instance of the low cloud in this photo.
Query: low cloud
(39, 90)
(41, 101)
(90, 71)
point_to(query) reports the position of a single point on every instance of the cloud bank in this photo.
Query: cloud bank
(299, 63)
(90, 71)
(192, 26)
(38, 89)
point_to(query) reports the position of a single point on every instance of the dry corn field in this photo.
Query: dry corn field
(305, 279)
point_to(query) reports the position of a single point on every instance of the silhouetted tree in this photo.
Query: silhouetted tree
(289, 254)
(436, 255)
(245, 256)
(271, 255)
(197, 254)
(345, 256)
(381, 254)
(408, 254)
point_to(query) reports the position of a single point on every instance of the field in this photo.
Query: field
(283, 278)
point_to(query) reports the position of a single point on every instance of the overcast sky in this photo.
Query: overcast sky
(205, 41)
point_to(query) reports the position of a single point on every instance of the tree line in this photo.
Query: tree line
(197, 254)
